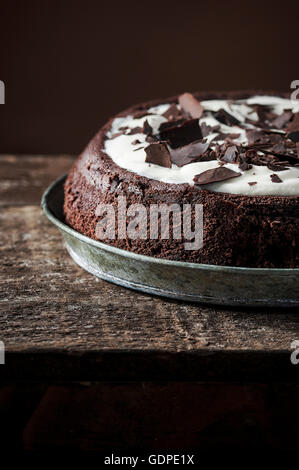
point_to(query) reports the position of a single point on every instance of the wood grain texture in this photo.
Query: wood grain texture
(60, 323)
(23, 179)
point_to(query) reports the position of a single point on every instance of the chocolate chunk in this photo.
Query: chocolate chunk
(226, 118)
(275, 139)
(189, 153)
(277, 166)
(158, 154)
(147, 129)
(172, 113)
(252, 183)
(181, 134)
(281, 121)
(265, 115)
(206, 130)
(294, 136)
(220, 136)
(151, 138)
(233, 136)
(136, 130)
(206, 157)
(244, 166)
(214, 175)
(260, 160)
(141, 113)
(255, 136)
(287, 156)
(230, 155)
(275, 178)
(272, 144)
(170, 124)
(136, 141)
(191, 105)
(294, 124)
(279, 148)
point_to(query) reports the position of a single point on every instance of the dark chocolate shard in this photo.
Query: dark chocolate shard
(290, 157)
(279, 148)
(151, 138)
(230, 155)
(276, 138)
(255, 136)
(244, 166)
(252, 183)
(141, 113)
(147, 129)
(294, 124)
(233, 136)
(181, 134)
(275, 178)
(136, 141)
(215, 175)
(158, 154)
(265, 115)
(277, 166)
(206, 130)
(282, 120)
(170, 124)
(191, 106)
(135, 130)
(172, 113)
(225, 118)
(189, 153)
(294, 136)
(220, 136)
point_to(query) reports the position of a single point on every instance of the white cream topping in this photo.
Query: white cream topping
(132, 157)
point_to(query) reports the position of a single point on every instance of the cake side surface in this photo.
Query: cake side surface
(238, 229)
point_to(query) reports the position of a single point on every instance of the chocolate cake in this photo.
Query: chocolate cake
(235, 154)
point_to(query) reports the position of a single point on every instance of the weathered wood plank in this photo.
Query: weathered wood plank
(24, 178)
(48, 304)
(47, 297)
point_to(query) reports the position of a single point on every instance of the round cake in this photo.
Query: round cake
(234, 155)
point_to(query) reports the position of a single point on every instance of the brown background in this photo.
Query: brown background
(68, 66)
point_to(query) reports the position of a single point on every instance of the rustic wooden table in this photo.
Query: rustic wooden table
(59, 323)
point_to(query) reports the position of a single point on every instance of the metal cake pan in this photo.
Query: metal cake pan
(221, 285)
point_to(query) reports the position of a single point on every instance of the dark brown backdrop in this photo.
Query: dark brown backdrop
(68, 65)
